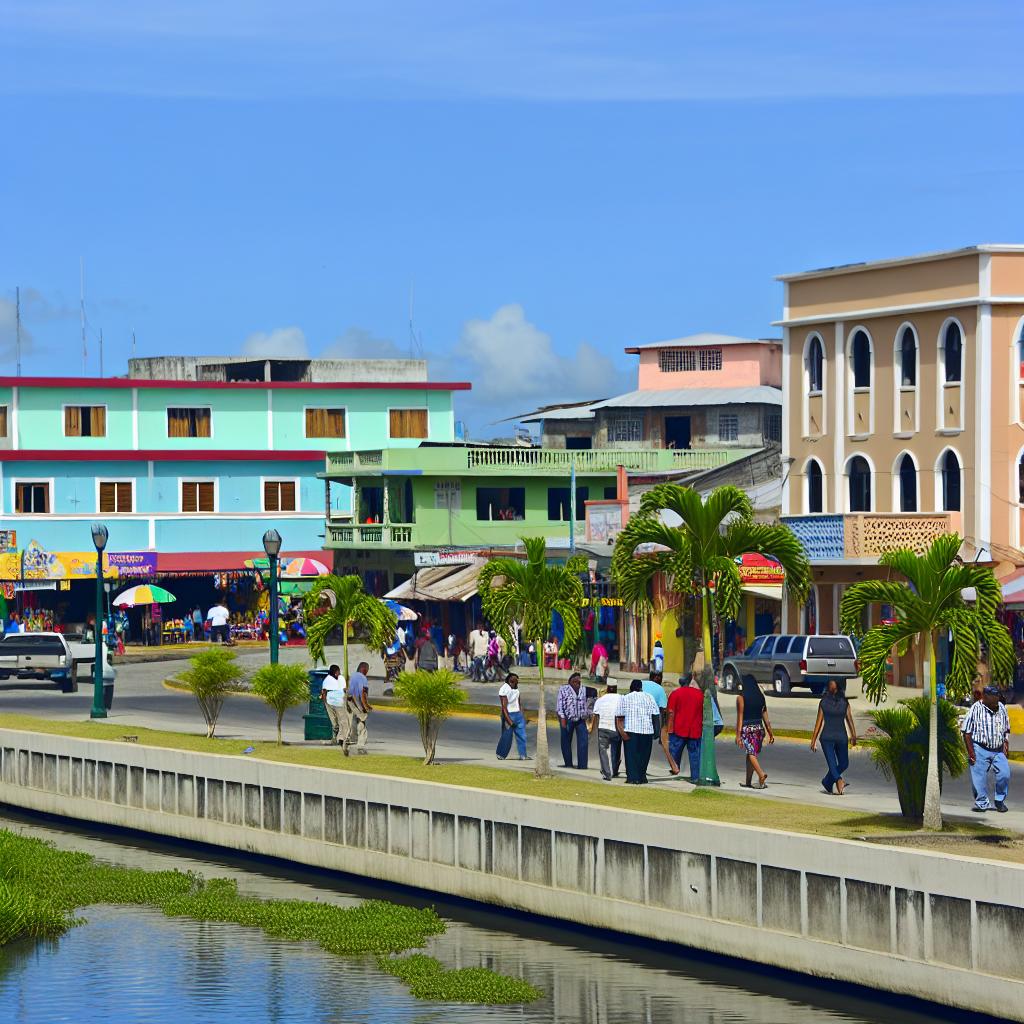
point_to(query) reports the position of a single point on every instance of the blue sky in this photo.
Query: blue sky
(553, 181)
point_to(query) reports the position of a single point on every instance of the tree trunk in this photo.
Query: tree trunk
(543, 766)
(429, 729)
(932, 794)
(708, 761)
(280, 715)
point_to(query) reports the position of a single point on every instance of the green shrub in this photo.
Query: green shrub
(281, 687)
(902, 753)
(213, 675)
(432, 697)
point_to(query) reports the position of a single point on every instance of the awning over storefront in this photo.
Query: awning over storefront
(218, 561)
(440, 583)
(763, 590)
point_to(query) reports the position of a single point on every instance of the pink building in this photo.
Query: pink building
(709, 361)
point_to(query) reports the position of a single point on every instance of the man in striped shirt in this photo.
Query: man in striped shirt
(987, 738)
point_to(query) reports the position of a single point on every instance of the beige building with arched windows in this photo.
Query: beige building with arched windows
(903, 412)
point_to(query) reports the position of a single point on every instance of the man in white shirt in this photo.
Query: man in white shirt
(332, 693)
(513, 721)
(218, 617)
(478, 641)
(609, 742)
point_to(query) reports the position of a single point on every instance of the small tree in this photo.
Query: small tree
(214, 674)
(281, 687)
(432, 697)
(348, 605)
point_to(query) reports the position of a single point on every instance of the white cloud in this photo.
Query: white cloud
(281, 342)
(513, 364)
(358, 343)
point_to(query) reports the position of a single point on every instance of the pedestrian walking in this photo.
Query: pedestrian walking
(685, 726)
(599, 662)
(634, 722)
(658, 656)
(218, 617)
(332, 693)
(653, 686)
(752, 726)
(477, 648)
(573, 718)
(835, 729)
(513, 721)
(986, 732)
(357, 707)
(609, 742)
(426, 652)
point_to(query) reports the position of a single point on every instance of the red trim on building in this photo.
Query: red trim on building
(284, 385)
(160, 455)
(223, 561)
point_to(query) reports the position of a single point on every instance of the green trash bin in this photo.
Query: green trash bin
(318, 725)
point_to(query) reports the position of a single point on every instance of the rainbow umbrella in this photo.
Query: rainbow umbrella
(144, 594)
(293, 567)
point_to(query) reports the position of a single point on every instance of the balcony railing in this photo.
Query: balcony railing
(869, 534)
(371, 535)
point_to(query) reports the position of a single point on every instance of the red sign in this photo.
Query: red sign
(759, 569)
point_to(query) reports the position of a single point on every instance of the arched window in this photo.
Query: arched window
(949, 481)
(1019, 349)
(815, 487)
(908, 358)
(952, 353)
(860, 360)
(815, 365)
(858, 472)
(907, 479)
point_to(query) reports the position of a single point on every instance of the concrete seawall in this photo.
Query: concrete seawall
(922, 924)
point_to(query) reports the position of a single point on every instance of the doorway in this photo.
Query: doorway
(677, 432)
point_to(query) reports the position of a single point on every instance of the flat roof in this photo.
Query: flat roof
(925, 257)
(703, 339)
(145, 382)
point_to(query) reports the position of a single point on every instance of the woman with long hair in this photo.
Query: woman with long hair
(752, 726)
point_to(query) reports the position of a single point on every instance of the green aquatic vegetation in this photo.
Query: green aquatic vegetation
(427, 978)
(41, 887)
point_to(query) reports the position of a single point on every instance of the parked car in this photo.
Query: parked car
(787, 661)
(44, 656)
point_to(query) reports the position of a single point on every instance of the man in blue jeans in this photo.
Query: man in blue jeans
(987, 738)
(573, 710)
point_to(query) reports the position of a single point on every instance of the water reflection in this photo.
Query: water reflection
(135, 965)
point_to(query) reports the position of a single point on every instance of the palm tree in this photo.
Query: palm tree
(699, 557)
(349, 605)
(512, 590)
(931, 600)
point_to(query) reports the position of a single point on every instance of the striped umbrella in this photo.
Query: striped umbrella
(144, 594)
(293, 567)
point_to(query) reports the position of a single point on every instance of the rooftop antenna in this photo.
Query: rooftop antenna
(133, 343)
(415, 341)
(17, 326)
(81, 295)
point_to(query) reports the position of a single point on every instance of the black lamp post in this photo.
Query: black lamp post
(272, 546)
(99, 539)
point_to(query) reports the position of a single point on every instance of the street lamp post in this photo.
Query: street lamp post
(272, 546)
(99, 539)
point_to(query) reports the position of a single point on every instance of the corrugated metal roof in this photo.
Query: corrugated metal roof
(440, 583)
(684, 397)
(704, 340)
(575, 412)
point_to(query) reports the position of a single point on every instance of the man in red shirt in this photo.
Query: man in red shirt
(685, 725)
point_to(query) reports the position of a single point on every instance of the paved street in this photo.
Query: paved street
(794, 772)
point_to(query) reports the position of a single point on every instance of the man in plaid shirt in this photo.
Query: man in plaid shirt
(987, 738)
(573, 710)
(635, 723)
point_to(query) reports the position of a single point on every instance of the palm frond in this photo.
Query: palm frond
(778, 542)
(1002, 658)
(874, 655)
(859, 596)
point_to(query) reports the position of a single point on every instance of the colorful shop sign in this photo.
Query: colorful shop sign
(759, 569)
(39, 564)
(8, 542)
(132, 563)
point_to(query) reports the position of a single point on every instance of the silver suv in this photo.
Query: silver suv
(788, 661)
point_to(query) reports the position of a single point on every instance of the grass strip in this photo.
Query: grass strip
(680, 801)
(41, 887)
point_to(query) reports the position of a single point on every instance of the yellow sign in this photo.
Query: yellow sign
(39, 564)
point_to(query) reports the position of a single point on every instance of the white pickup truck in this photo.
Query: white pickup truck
(46, 656)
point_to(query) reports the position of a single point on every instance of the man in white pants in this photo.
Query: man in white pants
(332, 693)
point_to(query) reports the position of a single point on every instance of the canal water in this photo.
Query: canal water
(135, 966)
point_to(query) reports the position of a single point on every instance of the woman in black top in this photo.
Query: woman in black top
(751, 727)
(835, 720)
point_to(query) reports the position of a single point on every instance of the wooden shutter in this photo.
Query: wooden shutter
(72, 421)
(408, 422)
(335, 422)
(189, 496)
(206, 496)
(19, 497)
(124, 496)
(287, 493)
(316, 423)
(108, 497)
(3, 420)
(98, 421)
(270, 496)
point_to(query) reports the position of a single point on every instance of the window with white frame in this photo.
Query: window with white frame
(198, 496)
(815, 366)
(626, 429)
(815, 488)
(115, 496)
(949, 481)
(907, 482)
(952, 353)
(860, 360)
(728, 427)
(279, 496)
(31, 497)
(858, 473)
